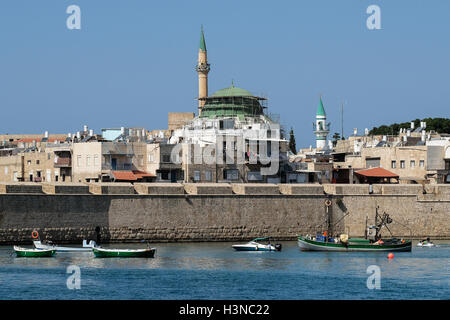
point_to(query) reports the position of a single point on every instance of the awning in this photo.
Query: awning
(131, 175)
(124, 175)
(142, 174)
(376, 173)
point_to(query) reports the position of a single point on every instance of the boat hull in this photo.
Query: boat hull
(311, 245)
(248, 248)
(34, 253)
(124, 253)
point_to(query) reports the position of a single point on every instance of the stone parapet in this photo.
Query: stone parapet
(111, 188)
(401, 189)
(308, 189)
(65, 188)
(20, 187)
(208, 188)
(255, 188)
(346, 189)
(159, 188)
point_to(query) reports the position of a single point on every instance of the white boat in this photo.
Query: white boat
(254, 245)
(87, 247)
(426, 244)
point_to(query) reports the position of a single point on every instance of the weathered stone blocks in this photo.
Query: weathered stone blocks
(111, 188)
(255, 188)
(208, 188)
(159, 188)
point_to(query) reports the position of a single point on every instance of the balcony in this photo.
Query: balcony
(63, 163)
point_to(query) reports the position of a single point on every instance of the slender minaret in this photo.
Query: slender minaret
(321, 128)
(202, 69)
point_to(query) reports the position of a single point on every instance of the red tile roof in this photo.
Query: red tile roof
(131, 175)
(377, 172)
(142, 174)
(124, 175)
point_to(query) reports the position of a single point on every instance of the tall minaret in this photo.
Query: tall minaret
(202, 69)
(321, 128)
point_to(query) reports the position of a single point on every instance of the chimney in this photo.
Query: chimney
(405, 138)
(408, 133)
(424, 124)
(85, 128)
(69, 135)
(412, 125)
(122, 130)
(355, 131)
(366, 131)
(78, 135)
(384, 138)
(91, 132)
(46, 134)
(423, 136)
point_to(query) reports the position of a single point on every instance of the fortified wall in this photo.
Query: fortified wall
(110, 212)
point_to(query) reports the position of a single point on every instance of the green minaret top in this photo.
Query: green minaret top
(202, 41)
(320, 109)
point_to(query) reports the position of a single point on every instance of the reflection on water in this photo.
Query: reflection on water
(216, 271)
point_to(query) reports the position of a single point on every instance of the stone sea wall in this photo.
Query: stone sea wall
(159, 213)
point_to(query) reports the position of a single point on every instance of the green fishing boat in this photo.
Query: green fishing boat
(313, 244)
(372, 242)
(124, 253)
(33, 253)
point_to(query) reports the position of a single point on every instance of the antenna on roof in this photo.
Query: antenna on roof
(342, 119)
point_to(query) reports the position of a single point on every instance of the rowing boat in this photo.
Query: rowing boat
(33, 253)
(123, 253)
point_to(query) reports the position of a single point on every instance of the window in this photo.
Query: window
(48, 156)
(96, 160)
(141, 160)
(78, 161)
(231, 174)
(422, 163)
(412, 163)
(372, 162)
(447, 164)
(88, 161)
(393, 164)
(150, 158)
(166, 158)
(402, 164)
(37, 161)
(254, 176)
(208, 175)
(196, 175)
(29, 162)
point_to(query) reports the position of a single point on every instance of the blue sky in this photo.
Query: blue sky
(133, 61)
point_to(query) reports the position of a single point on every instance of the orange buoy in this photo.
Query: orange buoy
(35, 234)
(390, 255)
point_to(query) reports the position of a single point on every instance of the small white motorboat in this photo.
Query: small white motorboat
(254, 245)
(426, 244)
(87, 247)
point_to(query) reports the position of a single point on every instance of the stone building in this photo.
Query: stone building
(415, 159)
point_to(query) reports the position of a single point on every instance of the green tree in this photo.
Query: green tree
(336, 137)
(292, 145)
(440, 125)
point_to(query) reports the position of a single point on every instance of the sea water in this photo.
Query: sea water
(216, 271)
